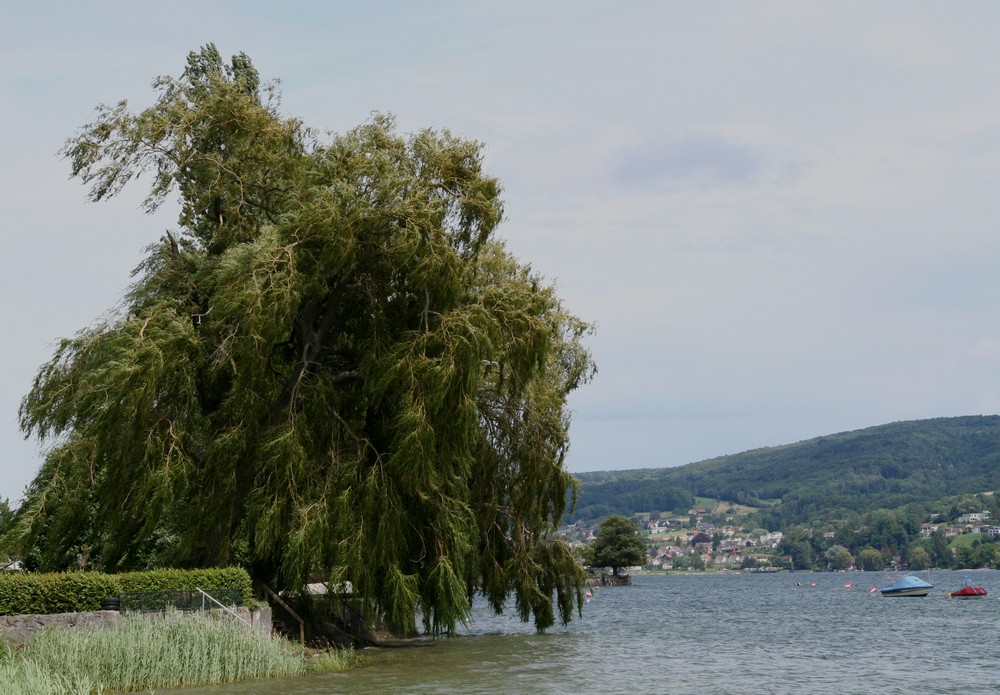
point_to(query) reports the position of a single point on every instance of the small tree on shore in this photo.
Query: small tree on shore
(919, 559)
(838, 557)
(618, 544)
(870, 560)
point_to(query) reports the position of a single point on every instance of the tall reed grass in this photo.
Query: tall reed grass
(141, 653)
(20, 676)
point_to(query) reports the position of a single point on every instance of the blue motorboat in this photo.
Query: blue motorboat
(907, 585)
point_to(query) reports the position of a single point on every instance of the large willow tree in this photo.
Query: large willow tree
(331, 369)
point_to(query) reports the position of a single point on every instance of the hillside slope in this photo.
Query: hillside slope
(888, 466)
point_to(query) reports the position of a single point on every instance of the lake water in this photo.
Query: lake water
(707, 634)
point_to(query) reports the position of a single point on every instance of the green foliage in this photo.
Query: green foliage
(800, 551)
(838, 557)
(618, 544)
(6, 516)
(331, 370)
(974, 550)
(988, 555)
(335, 660)
(68, 592)
(6, 525)
(941, 552)
(585, 554)
(919, 559)
(870, 559)
(967, 557)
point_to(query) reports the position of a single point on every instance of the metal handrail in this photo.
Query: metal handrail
(224, 607)
(302, 624)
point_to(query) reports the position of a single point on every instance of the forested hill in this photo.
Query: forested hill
(889, 466)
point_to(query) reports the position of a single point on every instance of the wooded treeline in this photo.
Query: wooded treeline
(826, 478)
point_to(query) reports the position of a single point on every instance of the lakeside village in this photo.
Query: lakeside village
(697, 544)
(693, 544)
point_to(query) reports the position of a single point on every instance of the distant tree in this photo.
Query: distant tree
(838, 557)
(919, 559)
(870, 560)
(800, 552)
(988, 555)
(6, 516)
(846, 535)
(967, 557)
(618, 544)
(886, 530)
(941, 552)
(6, 524)
(585, 553)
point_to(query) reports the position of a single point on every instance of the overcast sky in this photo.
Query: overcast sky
(782, 216)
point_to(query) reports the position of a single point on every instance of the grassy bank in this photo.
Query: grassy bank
(139, 654)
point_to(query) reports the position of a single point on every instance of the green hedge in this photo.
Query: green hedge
(73, 592)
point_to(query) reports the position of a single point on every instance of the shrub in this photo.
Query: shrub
(69, 592)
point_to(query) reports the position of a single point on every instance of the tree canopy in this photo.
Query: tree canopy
(618, 544)
(838, 557)
(330, 369)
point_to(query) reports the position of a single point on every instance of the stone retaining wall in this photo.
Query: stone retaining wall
(19, 627)
(14, 628)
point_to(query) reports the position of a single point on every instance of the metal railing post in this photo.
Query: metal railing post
(222, 606)
(302, 624)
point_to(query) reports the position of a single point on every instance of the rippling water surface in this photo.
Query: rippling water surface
(707, 634)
